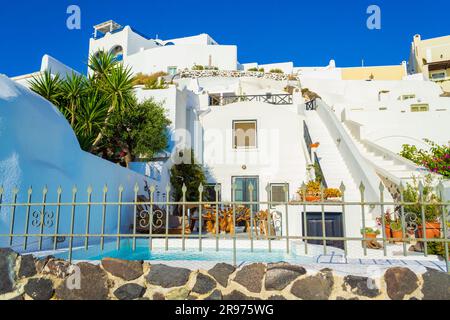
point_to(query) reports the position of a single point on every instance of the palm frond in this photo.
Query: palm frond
(48, 86)
(101, 64)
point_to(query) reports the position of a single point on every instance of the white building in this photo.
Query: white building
(248, 130)
(242, 139)
(147, 55)
(48, 64)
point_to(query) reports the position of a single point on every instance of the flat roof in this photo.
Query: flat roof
(107, 26)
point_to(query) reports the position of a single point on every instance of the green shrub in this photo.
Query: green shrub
(152, 81)
(411, 194)
(370, 231)
(436, 248)
(436, 160)
(256, 69)
(276, 70)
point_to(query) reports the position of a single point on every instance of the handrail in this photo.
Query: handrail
(319, 167)
(307, 137)
(395, 157)
(311, 105)
(379, 149)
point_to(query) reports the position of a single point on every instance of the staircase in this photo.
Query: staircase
(332, 163)
(385, 162)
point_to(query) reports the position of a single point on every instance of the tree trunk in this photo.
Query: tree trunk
(100, 134)
(72, 121)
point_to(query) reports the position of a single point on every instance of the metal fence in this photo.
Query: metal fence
(277, 99)
(90, 218)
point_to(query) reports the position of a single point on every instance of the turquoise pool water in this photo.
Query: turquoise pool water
(142, 252)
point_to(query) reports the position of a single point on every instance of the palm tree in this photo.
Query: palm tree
(115, 82)
(73, 89)
(101, 64)
(118, 88)
(48, 86)
(90, 118)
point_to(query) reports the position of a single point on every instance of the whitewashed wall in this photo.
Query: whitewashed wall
(278, 158)
(183, 56)
(391, 129)
(39, 148)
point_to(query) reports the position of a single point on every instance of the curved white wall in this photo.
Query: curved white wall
(39, 148)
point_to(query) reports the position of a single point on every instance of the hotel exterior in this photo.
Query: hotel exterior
(431, 57)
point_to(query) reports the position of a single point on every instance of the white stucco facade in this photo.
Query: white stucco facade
(270, 161)
(349, 112)
(153, 55)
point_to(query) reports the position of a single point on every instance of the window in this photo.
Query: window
(172, 70)
(117, 52)
(420, 107)
(407, 96)
(438, 75)
(244, 134)
(277, 192)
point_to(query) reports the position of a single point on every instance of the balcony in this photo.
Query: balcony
(276, 99)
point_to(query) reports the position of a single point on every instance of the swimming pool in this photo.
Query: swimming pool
(142, 252)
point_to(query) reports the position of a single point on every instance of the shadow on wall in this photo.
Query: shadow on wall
(39, 149)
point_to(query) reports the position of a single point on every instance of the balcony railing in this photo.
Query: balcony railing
(277, 99)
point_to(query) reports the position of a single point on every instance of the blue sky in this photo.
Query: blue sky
(305, 32)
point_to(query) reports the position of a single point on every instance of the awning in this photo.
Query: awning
(440, 65)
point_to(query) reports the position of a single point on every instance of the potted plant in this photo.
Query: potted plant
(370, 233)
(387, 223)
(312, 192)
(397, 230)
(431, 210)
(332, 194)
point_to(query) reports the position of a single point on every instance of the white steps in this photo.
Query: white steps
(381, 164)
(333, 165)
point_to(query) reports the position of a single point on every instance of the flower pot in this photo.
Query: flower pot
(397, 235)
(370, 236)
(312, 198)
(388, 231)
(433, 230)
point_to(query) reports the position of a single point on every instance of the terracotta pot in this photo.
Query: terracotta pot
(312, 199)
(397, 235)
(370, 236)
(388, 231)
(433, 230)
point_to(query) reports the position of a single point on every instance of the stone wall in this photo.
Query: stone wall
(236, 74)
(26, 278)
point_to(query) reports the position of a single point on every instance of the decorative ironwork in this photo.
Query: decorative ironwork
(311, 105)
(144, 219)
(40, 219)
(411, 222)
(277, 99)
